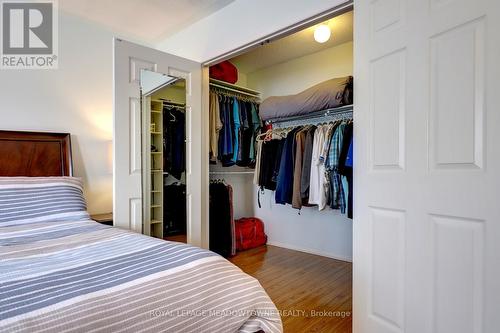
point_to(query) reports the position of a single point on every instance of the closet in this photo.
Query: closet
(303, 92)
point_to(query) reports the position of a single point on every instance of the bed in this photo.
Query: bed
(62, 272)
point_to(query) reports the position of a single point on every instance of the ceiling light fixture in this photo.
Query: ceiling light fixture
(322, 33)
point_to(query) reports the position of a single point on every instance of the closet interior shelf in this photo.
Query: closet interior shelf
(231, 172)
(168, 102)
(234, 88)
(171, 105)
(338, 113)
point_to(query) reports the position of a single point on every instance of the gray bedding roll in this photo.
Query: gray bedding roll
(325, 95)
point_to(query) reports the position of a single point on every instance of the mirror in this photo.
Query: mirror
(152, 81)
(164, 156)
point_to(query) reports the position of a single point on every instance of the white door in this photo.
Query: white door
(427, 174)
(129, 60)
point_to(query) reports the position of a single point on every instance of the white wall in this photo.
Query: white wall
(328, 232)
(298, 74)
(239, 23)
(242, 79)
(243, 191)
(76, 98)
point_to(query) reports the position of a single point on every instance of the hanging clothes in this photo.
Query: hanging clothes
(256, 127)
(215, 126)
(336, 193)
(345, 165)
(247, 135)
(243, 125)
(226, 138)
(306, 165)
(174, 212)
(221, 229)
(271, 152)
(284, 185)
(256, 175)
(174, 137)
(300, 141)
(238, 128)
(317, 193)
(276, 159)
(349, 175)
(231, 219)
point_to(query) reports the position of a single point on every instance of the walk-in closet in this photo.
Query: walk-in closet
(280, 136)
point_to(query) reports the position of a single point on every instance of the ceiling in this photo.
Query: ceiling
(296, 45)
(148, 20)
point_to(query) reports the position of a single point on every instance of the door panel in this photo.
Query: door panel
(426, 215)
(458, 273)
(388, 266)
(129, 60)
(388, 111)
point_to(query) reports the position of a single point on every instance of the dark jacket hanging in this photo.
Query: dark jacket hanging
(346, 164)
(174, 209)
(220, 233)
(269, 160)
(284, 186)
(174, 147)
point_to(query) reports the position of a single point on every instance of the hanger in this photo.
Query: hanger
(262, 136)
(173, 119)
(218, 181)
(225, 95)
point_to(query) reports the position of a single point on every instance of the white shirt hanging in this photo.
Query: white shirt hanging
(317, 190)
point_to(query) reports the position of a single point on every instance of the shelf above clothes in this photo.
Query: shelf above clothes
(231, 172)
(167, 102)
(234, 88)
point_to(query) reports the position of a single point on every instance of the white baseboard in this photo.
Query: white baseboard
(310, 251)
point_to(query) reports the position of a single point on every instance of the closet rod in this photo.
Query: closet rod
(234, 90)
(342, 112)
(168, 102)
(170, 107)
(231, 172)
(233, 86)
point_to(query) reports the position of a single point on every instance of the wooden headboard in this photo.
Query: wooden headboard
(35, 154)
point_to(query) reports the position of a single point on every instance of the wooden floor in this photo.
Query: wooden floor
(177, 238)
(302, 285)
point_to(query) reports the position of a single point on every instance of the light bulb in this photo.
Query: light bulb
(322, 33)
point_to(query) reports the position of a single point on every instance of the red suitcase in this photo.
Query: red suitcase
(249, 233)
(225, 71)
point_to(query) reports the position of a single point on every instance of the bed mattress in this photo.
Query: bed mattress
(81, 276)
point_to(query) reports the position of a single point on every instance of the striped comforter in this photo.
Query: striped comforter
(81, 276)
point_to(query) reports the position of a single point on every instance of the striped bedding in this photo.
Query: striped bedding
(71, 274)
